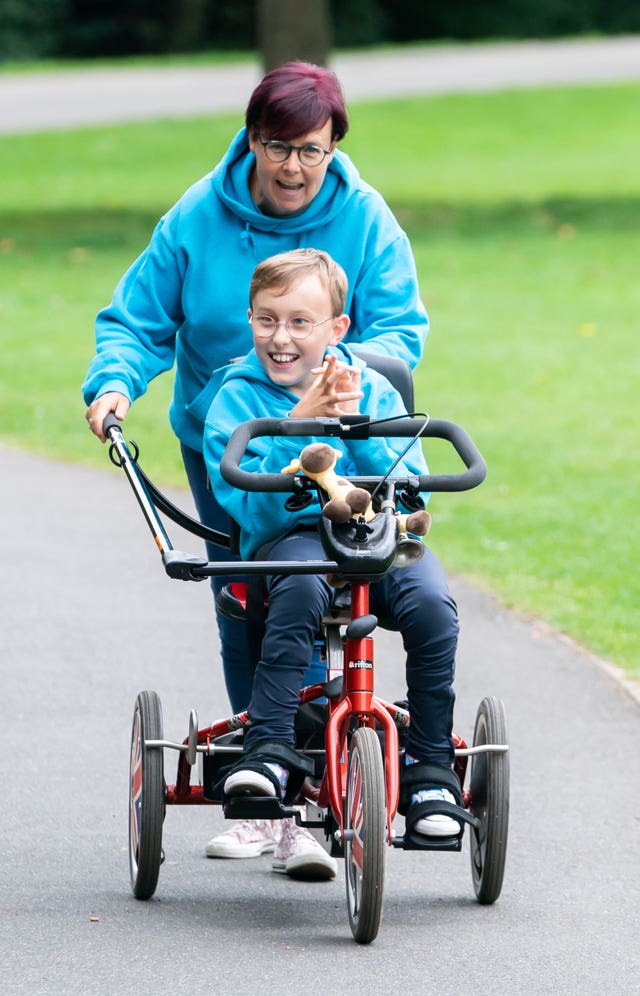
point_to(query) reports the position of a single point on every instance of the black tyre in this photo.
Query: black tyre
(146, 796)
(364, 852)
(489, 787)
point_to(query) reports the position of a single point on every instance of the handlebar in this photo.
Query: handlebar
(190, 568)
(345, 428)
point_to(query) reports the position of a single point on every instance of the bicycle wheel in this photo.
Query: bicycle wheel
(146, 796)
(364, 852)
(489, 787)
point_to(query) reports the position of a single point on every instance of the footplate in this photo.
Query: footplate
(257, 807)
(421, 842)
(430, 843)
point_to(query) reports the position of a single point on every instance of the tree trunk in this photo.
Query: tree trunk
(293, 29)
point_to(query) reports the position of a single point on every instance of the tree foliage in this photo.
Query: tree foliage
(91, 28)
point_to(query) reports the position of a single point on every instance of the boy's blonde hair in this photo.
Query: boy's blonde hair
(279, 272)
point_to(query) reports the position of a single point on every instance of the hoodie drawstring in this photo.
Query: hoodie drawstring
(247, 241)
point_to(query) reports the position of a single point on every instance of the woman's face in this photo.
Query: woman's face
(289, 187)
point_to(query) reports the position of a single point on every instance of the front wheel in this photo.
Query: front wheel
(365, 821)
(489, 790)
(146, 796)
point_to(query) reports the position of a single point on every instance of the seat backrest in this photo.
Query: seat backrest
(396, 370)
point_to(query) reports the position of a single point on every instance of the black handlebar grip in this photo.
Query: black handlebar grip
(110, 422)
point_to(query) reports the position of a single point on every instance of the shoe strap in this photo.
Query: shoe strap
(283, 754)
(421, 775)
(422, 810)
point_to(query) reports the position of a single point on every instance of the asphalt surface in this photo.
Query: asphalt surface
(44, 101)
(88, 618)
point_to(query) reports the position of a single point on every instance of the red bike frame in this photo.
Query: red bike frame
(357, 701)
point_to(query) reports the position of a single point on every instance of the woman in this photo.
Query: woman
(282, 185)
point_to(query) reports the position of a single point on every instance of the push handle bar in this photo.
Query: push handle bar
(110, 422)
(464, 446)
(177, 564)
(122, 457)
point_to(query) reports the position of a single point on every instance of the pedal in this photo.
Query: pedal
(256, 807)
(430, 843)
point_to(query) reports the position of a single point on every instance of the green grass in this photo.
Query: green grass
(524, 212)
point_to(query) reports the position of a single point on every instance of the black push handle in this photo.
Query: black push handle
(110, 422)
(464, 446)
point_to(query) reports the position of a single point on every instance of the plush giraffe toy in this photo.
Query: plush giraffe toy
(317, 462)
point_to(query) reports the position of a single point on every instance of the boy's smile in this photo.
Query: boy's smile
(283, 359)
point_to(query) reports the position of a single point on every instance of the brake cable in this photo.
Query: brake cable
(380, 421)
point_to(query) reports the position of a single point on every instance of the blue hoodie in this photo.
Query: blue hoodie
(247, 392)
(185, 298)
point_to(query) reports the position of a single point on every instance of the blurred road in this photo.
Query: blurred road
(48, 100)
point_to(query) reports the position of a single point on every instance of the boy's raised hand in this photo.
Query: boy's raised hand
(348, 387)
(335, 391)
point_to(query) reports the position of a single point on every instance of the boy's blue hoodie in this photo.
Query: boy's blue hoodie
(185, 297)
(247, 392)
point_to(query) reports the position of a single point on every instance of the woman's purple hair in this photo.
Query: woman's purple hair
(296, 98)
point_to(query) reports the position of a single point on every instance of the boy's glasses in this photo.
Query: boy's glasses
(279, 152)
(265, 326)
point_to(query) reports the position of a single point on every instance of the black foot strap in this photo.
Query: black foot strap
(414, 777)
(255, 764)
(417, 777)
(270, 751)
(419, 810)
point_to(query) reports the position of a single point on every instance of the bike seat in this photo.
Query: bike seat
(232, 603)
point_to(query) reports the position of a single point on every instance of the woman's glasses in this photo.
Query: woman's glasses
(279, 152)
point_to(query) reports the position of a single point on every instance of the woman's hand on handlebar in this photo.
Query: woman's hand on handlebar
(335, 391)
(100, 408)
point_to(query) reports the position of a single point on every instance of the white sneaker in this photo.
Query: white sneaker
(247, 782)
(438, 824)
(247, 839)
(301, 856)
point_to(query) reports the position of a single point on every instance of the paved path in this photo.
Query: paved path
(44, 101)
(88, 618)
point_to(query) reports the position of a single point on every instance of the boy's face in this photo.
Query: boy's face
(289, 361)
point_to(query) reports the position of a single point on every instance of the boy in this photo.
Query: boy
(299, 367)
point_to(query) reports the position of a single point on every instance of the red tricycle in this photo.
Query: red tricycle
(356, 742)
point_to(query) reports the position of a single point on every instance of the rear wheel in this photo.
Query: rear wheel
(146, 796)
(364, 852)
(489, 789)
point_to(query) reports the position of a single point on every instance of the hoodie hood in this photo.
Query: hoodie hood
(231, 183)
